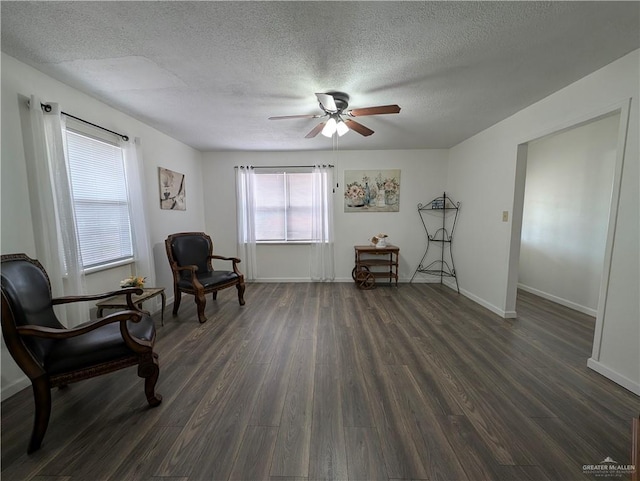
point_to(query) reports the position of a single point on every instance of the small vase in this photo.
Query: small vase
(390, 198)
(380, 202)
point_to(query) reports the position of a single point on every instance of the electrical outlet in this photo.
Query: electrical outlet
(505, 216)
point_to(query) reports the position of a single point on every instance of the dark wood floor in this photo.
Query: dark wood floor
(324, 381)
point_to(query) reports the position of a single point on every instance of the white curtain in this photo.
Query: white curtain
(322, 261)
(57, 245)
(134, 171)
(246, 207)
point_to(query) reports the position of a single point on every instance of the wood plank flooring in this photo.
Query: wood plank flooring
(325, 381)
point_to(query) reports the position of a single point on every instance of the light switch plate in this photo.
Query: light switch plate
(505, 216)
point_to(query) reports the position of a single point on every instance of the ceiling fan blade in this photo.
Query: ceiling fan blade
(315, 131)
(361, 129)
(382, 109)
(286, 117)
(328, 102)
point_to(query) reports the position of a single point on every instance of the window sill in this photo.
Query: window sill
(283, 243)
(112, 265)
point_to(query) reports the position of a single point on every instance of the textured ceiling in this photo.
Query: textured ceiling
(211, 73)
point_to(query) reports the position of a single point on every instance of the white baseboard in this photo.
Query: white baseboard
(281, 279)
(14, 387)
(337, 279)
(451, 284)
(496, 310)
(559, 300)
(423, 280)
(618, 378)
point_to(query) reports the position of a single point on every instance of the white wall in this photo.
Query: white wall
(482, 173)
(157, 149)
(422, 177)
(569, 181)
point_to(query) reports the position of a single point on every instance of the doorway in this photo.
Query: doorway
(567, 199)
(616, 118)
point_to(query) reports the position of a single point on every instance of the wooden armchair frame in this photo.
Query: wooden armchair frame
(141, 354)
(194, 286)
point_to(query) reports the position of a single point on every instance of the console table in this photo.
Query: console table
(120, 301)
(375, 263)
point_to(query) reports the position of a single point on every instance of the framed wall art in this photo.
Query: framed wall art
(172, 190)
(372, 190)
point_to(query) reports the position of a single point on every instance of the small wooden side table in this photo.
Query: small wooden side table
(370, 257)
(120, 301)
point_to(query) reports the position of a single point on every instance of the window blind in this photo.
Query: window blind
(283, 206)
(100, 200)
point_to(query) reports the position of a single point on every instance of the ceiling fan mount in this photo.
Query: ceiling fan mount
(334, 105)
(340, 99)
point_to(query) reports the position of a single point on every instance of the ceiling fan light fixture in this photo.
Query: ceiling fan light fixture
(329, 128)
(341, 128)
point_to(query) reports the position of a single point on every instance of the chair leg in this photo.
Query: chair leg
(177, 296)
(201, 303)
(214, 295)
(240, 288)
(149, 369)
(42, 398)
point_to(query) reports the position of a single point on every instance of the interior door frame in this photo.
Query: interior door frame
(623, 109)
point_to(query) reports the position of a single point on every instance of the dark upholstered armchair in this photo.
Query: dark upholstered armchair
(52, 355)
(190, 255)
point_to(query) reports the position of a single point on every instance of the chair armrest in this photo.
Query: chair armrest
(190, 268)
(194, 276)
(53, 333)
(138, 345)
(222, 258)
(129, 291)
(234, 260)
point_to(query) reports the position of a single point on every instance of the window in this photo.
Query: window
(100, 199)
(283, 206)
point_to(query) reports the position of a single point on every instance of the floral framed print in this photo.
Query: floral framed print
(172, 190)
(372, 190)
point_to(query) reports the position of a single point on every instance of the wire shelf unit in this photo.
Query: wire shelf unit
(439, 217)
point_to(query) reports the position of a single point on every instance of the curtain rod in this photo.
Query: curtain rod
(278, 166)
(47, 108)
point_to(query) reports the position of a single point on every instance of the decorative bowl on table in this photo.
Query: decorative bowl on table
(133, 281)
(379, 240)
